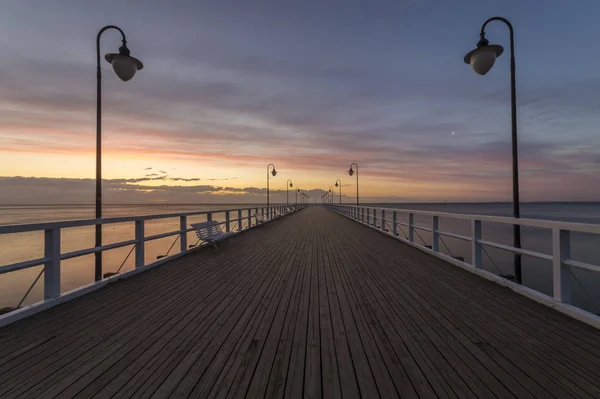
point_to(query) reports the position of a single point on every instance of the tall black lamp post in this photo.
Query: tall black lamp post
(338, 183)
(288, 184)
(351, 172)
(125, 66)
(482, 59)
(274, 173)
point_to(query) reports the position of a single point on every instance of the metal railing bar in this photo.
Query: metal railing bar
(571, 226)
(23, 228)
(492, 260)
(419, 235)
(127, 257)
(421, 228)
(444, 242)
(460, 237)
(30, 288)
(22, 265)
(89, 251)
(170, 248)
(582, 265)
(585, 290)
(516, 250)
(163, 235)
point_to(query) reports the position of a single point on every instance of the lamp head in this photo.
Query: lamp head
(336, 184)
(483, 57)
(291, 185)
(351, 172)
(124, 65)
(274, 172)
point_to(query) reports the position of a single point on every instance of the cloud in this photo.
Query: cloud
(276, 81)
(29, 190)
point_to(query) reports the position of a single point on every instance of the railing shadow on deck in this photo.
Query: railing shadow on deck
(243, 220)
(378, 219)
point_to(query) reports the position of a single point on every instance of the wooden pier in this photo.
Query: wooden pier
(311, 305)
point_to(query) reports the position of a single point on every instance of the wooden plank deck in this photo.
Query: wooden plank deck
(312, 305)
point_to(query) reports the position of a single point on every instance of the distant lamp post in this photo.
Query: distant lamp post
(274, 173)
(351, 172)
(338, 183)
(481, 60)
(331, 194)
(297, 191)
(288, 184)
(125, 66)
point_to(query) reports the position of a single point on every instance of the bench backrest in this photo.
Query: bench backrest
(208, 229)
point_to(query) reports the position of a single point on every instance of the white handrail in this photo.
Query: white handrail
(561, 244)
(52, 233)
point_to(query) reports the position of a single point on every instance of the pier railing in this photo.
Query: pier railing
(232, 220)
(390, 221)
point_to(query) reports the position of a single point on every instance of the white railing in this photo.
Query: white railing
(235, 220)
(560, 257)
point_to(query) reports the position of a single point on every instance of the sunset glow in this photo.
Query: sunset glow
(216, 102)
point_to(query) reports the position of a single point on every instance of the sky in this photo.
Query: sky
(310, 86)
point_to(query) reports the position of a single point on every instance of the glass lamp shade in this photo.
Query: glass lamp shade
(274, 172)
(124, 66)
(350, 172)
(482, 58)
(336, 184)
(291, 185)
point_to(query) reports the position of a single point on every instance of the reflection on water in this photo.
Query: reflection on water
(537, 274)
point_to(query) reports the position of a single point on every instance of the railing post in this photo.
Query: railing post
(435, 239)
(395, 223)
(209, 216)
(561, 276)
(52, 266)
(140, 244)
(227, 221)
(475, 245)
(374, 217)
(411, 230)
(382, 220)
(183, 234)
(239, 220)
(249, 217)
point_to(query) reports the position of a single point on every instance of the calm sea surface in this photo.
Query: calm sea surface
(77, 272)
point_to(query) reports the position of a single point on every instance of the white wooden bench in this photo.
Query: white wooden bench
(210, 232)
(259, 217)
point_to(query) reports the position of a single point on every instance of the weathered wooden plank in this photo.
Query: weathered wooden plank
(311, 305)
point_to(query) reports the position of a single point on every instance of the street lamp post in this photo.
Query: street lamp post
(288, 184)
(482, 59)
(125, 66)
(274, 173)
(331, 195)
(297, 191)
(338, 183)
(351, 172)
